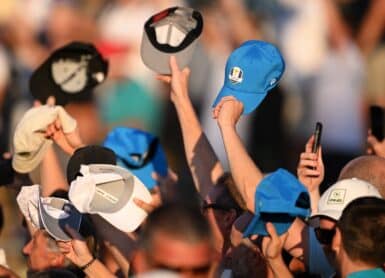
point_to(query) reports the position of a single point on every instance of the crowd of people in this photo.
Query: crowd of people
(100, 187)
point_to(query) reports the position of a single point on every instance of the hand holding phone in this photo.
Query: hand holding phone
(317, 137)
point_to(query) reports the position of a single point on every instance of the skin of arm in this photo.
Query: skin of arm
(204, 165)
(245, 173)
(52, 177)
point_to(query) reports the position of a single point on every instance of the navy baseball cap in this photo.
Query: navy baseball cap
(279, 199)
(138, 151)
(252, 70)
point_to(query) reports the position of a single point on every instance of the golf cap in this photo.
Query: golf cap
(109, 191)
(69, 74)
(339, 195)
(138, 151)
(252, 70)
(173, 31)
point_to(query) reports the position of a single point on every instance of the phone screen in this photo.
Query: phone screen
(317, 137)
(377, 121)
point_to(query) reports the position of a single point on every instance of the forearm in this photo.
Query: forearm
(52, 177)
(243, 169)
(203, 162)
(279, 268)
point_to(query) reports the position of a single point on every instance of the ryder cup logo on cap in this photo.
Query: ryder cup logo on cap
(173, 31)
(251, 71)
(70, 74)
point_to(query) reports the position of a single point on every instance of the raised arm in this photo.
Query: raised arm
(245, 173)
(204, 165)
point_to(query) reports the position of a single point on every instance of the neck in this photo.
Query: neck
(348, 267)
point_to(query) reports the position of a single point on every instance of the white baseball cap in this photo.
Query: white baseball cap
(334, 200)
(109, 191)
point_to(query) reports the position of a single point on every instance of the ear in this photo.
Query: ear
(337, 241)
(57, 260)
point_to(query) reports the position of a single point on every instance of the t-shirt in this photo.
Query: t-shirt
(318, 263)
(372, 273)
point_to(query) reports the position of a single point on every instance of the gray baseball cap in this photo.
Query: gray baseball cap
(173, 31)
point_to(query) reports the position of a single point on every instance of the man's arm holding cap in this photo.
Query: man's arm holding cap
(203, 163)
(245, 173)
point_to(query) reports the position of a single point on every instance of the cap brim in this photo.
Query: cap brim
(129, 217)
(257, 226)
(56, 226)
(159, 61)
(332, 214)
(250, 100)
(24, 164)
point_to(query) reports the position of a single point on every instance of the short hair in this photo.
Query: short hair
(230, 195)
(179, 221)
(362, 227)
(370, 168)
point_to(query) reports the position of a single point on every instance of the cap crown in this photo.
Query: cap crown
(340, 194)
(255, 67)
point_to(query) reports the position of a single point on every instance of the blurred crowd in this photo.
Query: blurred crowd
(334, 52)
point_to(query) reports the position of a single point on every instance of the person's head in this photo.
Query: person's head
(370, 168)
(331, 205)
(178, 238)
(360, 234)
(43, 252)
(223, 203)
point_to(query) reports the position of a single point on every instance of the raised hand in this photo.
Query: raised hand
(178, 80)
(310, 170)
(228, 111)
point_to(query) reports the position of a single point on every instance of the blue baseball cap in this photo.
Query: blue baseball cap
(138, 151)
(279, 199)
(252, 70)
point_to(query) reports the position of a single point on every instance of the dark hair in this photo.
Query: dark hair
(230, 195)
(362, 227)
(179, 221)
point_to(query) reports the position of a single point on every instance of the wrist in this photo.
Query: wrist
(84, 260)
(88, 264)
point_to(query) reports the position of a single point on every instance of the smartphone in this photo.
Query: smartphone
(377, 121)
(317, 137)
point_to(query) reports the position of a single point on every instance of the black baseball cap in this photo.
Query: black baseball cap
(69, 74)
(92, 154)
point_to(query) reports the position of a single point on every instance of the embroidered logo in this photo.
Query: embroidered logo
(236, 75)
(337, 196)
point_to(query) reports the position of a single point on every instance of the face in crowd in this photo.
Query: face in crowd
(42, 252)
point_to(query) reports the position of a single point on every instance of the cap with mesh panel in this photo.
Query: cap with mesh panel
(173, 31)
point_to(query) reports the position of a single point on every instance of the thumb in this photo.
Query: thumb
(186, 72)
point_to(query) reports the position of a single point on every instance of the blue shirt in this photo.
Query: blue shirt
(372, 273)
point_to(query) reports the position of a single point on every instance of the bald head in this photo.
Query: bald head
(370, 168)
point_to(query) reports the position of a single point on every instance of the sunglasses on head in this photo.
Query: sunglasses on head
(325, 236)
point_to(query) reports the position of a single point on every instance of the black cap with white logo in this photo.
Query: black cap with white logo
(69, 74)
